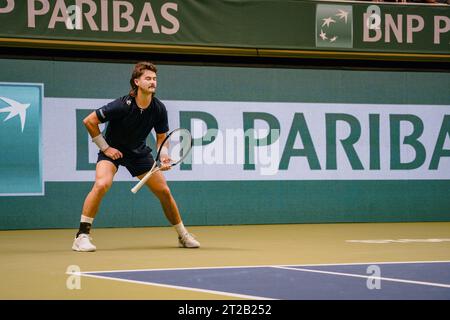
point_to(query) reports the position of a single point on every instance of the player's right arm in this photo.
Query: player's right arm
(91, 123)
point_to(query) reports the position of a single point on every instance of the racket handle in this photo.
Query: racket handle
(143, 180)
(137, 186)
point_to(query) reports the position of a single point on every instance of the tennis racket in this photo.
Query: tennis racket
(172, 151)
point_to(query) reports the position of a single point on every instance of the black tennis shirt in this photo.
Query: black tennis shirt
(128, 125)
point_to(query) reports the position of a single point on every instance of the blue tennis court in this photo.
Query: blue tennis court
(428, 280)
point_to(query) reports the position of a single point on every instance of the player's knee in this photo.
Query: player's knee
(102, 186)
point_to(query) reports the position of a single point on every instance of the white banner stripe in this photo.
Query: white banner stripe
(222, 159)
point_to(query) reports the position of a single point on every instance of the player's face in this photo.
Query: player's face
(147, 82)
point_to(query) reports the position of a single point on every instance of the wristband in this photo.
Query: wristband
(100, 142)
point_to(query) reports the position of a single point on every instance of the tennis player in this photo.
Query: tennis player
(130, 120)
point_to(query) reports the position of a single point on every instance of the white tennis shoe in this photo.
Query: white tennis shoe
(188, 241)
(83, 243)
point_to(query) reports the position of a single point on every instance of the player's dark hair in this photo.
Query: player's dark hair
(138, 71)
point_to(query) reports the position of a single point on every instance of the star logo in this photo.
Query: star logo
(327, 21)
(15, 109)
(334, 26)
(342, 15)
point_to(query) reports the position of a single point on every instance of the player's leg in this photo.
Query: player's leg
(104, 175)
(158, 185)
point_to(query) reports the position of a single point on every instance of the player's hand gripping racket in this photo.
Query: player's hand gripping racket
(171, 152)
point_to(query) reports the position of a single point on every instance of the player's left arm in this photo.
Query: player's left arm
(164, 153)
(159, 139)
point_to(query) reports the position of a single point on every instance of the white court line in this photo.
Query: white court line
(223, 293)
(367, 277)
(86, 274)
(267, 266)
(401, 241)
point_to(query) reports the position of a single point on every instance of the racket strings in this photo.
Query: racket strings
(176, 147)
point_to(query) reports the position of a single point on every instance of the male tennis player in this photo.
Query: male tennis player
(130, 120)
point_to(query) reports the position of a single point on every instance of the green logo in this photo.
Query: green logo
(21, 139)
(334, 26)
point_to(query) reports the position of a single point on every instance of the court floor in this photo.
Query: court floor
(289, 262)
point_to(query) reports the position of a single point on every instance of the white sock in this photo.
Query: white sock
(181, 230)
(87, 219)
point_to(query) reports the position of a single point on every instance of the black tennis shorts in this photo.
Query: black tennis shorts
(136, 165)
